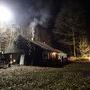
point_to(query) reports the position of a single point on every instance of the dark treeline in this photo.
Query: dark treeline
(71, 27)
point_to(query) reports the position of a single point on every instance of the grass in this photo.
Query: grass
(74, 76)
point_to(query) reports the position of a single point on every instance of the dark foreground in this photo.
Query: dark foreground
(74, 76)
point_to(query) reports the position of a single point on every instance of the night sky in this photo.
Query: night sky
(25, 10)
(43, 10)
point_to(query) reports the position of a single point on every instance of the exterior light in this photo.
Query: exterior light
(88, 58)
(54, 54)
(14, 60)
(5, 14)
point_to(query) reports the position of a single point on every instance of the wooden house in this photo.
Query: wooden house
(28, 52)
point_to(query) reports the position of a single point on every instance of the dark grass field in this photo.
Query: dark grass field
(75, 76)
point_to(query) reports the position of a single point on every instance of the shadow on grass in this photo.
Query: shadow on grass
(54, 64)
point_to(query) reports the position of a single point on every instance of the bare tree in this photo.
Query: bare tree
(69, 25)
(84, 46)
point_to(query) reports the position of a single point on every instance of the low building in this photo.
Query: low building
(28, 52)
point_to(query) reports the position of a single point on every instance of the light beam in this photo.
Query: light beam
(5, 14)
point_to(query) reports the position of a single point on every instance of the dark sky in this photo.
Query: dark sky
(44, 10)
(26, 10)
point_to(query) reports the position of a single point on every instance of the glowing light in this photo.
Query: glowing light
(88, 58)
(5, 14)
(54, 54)
(14, 60)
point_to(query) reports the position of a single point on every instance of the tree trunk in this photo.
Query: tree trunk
(74, 46)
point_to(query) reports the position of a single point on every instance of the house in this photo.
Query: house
(28, 52)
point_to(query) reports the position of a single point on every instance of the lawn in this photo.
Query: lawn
(75, 76)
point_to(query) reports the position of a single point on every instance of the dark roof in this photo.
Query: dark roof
(27, 43)
(21, 44)
(42, 45)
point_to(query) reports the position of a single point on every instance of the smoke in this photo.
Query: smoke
(30, 13)
(29, 10)
(37, 15)
(32, 27)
